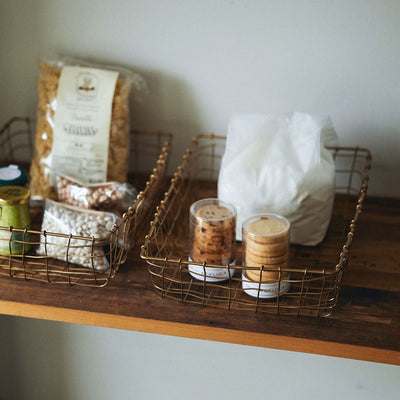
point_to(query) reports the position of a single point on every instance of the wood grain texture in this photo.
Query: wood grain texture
(365, 325)
(279, 342)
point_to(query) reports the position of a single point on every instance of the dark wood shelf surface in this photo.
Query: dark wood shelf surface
(364, 326)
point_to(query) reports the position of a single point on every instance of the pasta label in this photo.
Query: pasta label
(81, 132)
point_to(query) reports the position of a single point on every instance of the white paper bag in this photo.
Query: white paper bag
(279, 164)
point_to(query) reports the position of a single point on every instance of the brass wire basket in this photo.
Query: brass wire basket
(148, 160)
(316, 273)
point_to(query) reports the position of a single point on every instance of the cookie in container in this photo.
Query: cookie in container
(265, 246)
(212, 239)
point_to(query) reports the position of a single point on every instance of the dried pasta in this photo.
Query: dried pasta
(118, 151)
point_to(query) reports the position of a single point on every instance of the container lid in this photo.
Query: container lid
(13, 195)
(12, 175)
(266, 225)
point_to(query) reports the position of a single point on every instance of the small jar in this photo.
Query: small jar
(212, 239)
(14, 213)
(12, 175)
(265, 255)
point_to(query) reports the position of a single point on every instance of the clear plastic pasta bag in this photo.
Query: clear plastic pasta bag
(83, 123)
(279, 164)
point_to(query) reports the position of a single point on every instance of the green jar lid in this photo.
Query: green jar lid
(12, 175)
(13, 195)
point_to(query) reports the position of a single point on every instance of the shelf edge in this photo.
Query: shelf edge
(278, 342)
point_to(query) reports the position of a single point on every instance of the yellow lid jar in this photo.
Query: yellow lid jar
(14, 219)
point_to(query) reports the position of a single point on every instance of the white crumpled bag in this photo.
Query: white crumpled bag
(279, 164)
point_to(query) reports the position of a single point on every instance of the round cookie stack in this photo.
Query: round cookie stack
(266, 244)
(213, 232)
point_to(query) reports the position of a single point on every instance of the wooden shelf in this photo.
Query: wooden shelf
(365, 326)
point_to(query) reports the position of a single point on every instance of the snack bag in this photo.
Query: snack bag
(113, 197)
(279, 164)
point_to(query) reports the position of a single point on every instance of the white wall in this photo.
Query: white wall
(205, 60)
(47, 360)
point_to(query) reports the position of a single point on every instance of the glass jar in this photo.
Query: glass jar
(14, 213)
(12, 175)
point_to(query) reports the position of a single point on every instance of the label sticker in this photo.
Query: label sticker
(82, 123)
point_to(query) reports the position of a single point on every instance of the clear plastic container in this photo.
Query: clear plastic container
(212, 240)
(265, 255)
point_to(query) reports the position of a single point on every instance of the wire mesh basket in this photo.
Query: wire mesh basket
(316, 273)
(98, 258)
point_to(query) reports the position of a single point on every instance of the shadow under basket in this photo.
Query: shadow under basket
(309, 286)
(102, 256)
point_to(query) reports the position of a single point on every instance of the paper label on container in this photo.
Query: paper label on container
(82, 121)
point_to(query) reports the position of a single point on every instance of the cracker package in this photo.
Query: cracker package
(113, 197)
(83, 124)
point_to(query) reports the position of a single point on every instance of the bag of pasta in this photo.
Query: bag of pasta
(83, 124)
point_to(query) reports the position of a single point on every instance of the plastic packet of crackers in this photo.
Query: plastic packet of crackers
(113, 197)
